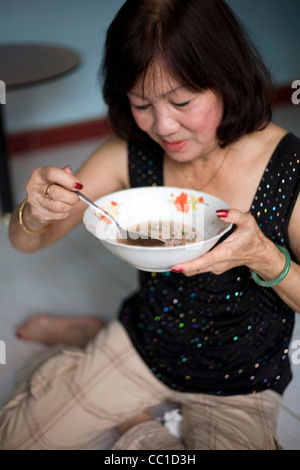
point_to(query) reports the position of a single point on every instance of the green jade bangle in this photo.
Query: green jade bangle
(280, 278)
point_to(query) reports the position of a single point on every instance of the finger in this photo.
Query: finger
(59, 193)
(233, 216)
(68, 169)
(47, 210)
(60, 177)
(199, 265)
(212, 261)
(57, 209)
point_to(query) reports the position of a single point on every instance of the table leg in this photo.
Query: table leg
(5, 186)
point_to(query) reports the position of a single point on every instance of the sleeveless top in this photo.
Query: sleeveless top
(217, 334)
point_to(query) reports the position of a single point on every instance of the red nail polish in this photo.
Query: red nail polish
(78, 186)
(222, 213)
(177, 270)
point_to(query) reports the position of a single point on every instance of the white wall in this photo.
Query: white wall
(81, 25)
(76, 24)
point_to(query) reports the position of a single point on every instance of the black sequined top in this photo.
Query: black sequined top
(217, 334)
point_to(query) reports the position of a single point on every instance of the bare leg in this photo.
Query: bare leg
(142, 432)
(51, 329)
(137, 419)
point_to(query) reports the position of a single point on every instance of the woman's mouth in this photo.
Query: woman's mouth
(175, 146)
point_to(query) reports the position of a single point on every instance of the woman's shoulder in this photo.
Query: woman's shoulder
(111, 152)
(280, 138)
(285, 145)
(113, 144)
(273, 142)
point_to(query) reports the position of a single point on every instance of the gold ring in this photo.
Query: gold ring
(47, 190)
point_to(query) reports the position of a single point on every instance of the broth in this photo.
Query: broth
(174, 233)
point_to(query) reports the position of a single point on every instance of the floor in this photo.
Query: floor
(79, 276)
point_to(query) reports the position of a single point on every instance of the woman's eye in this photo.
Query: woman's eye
(181, 105)
(142, 107)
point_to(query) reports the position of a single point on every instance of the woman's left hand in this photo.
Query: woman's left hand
(246, 246)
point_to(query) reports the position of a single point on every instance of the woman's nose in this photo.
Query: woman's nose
(165, 123)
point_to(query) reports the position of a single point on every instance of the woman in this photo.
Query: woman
(189, 99)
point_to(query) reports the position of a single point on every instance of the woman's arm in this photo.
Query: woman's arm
(248, 246)
(104, 171)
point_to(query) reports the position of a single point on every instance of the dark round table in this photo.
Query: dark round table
(23, 65)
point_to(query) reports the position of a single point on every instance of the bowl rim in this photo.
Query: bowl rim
(189, 246)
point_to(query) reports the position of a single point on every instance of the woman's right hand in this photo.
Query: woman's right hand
(51, 193)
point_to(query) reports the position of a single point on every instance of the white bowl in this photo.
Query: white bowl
(132, 206)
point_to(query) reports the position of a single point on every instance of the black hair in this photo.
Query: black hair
(203, 45)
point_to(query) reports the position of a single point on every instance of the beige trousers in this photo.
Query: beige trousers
(76, 395)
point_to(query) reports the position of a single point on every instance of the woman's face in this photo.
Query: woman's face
(181, 121)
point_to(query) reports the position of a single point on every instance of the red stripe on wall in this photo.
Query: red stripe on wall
(99, 128)
(45, 138)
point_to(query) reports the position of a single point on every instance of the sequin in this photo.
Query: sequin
(217, 334)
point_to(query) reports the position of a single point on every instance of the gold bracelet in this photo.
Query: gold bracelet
(25, 229)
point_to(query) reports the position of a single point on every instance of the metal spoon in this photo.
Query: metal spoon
(135, 238)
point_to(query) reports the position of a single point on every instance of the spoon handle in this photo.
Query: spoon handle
(94, 206)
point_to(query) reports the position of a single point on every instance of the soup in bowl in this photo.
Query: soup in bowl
(185, 219)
